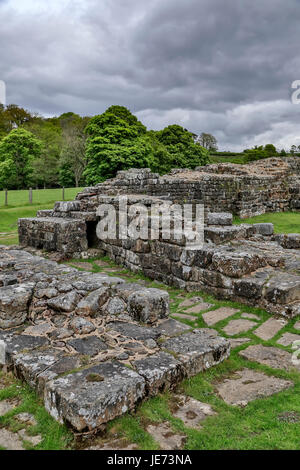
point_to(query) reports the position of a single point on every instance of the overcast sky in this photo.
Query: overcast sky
(218, 66)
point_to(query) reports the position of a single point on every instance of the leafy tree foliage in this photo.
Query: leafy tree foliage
(208, 141)
(17, 151)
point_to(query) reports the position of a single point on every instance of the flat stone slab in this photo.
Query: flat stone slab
(191, 411)
(269, 356)
(91, 345)
(199, 307)
(134, 331)
(250, 316)
(270, 328)
(94, 396)
(236, 342)
(171, 327)
(115, 444)
(297, 325)
(235, 327)
(213, 317)
(189, 302)
(5, 407)
(198, 350)
(10, 440)
(248, 385)
(164, 435)
(288, 338)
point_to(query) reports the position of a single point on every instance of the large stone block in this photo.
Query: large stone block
(14, 304)
(148, 305)
(102, 393)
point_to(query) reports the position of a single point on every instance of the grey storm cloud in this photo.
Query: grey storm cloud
(219, 66)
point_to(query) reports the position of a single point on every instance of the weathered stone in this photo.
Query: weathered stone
(10, 440)
(148, 305)
(235, 327)
(199, 307)
(190, 302)
(191, 411)
(247, 385)
(11, 345)
(92, 303)
(91, 345)
(134, 331)
(40, 329)
(27, 418)
(264, 228)
(269, 328)
(198, 350)
(236, 342)
(165, 436)
(283, 288)
(14, 303)
(171, 327)
(161, 372)
(94, 403)
(288, 338)
(269, 356)
(219, 218)
(65, 302)
(61, 333)
(81, 326)
(34, 440)
(115, 306)
(213, 317)
(5, 407)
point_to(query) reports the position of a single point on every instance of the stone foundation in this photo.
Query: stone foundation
(91, 345)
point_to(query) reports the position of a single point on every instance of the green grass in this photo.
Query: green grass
(284, 222)
(240, 159)
(39, 196)
(19, 207)
(54, 435)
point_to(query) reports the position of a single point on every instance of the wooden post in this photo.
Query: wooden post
(6, 198)
(30, 195)
(63, 193)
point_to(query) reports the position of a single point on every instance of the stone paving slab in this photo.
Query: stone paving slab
(250, 316)
(297, 325)
(164, 435)
(288, 338)
(214, 316)
(199, 307)
(190, 302)
(5, 407)
(270, 328)
(191, 411)
(10, 440)
(248, 385)
(235, 327)
(269, 356)
(236, 342)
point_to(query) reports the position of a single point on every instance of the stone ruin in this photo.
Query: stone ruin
(94, 346)
(91, 345)
(247, 263)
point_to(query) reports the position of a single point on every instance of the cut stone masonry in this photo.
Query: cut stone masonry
(246, 263)
(91, 345)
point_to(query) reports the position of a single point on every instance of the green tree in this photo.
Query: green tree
(183, 151)
(17, 152)
(270, 150)
(116, 144)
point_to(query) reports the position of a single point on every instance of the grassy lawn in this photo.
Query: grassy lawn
(19, 207)
(284, 222)
(240, 159)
